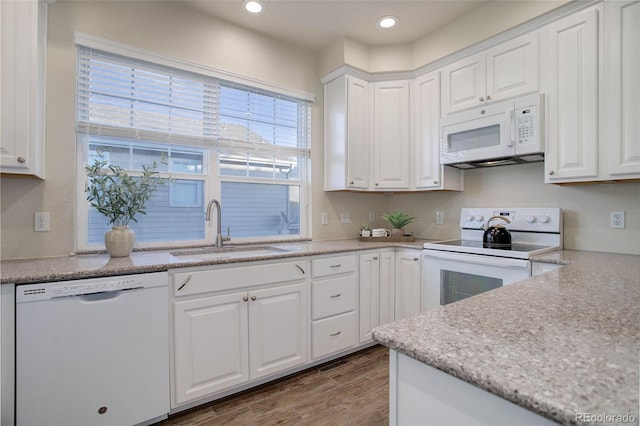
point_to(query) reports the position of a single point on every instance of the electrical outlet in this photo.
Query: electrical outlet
(372, 217)
(439, 218)
(324, 218)
(41, 222)
(616, 220)
(345, 217)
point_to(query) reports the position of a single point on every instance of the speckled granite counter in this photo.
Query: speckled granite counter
(101, 265)
(560, 343)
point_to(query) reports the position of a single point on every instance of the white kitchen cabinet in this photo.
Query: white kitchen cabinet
(376, 282)
(391, 136)
(211, 352)
(346, 126)
(226, 336)
(621, 144)
(23, 34)
(333, 304)
(573, 46)
(428, 173)
(504, 71)
(408, 283)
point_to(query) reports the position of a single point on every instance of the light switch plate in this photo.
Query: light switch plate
(345, 217)
(324, 218)
(439, 218)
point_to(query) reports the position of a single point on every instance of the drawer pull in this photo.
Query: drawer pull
(184, 283)
(253, 298)
(336, 266)
(245, 298)
(335, 296)
(301, 270)
(335, 334)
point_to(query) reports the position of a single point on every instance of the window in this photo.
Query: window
(246, 146)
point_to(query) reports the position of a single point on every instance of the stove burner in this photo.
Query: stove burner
(496, 246)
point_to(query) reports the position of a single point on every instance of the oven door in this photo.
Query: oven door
(448, 277)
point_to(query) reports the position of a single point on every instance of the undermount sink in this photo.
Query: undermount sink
(214, 253)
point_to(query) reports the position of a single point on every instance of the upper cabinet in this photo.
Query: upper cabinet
(391, 136)
(573, 80)
(346, 130)
(23, 39)
(592, 93)
(506, 70)
(428, 173)
(622, 88)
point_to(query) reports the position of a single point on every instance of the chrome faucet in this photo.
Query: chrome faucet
(219, 238)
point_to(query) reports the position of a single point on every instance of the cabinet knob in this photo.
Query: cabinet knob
(481, 99)
(351, 183)
(375, 257)
(416, 258)
(435, 181)
(245, 298)
(488, 97)
(253, 298)
(21, 160)
(551, 172)
(376, 183)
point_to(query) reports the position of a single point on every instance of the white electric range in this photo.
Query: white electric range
(456, 269)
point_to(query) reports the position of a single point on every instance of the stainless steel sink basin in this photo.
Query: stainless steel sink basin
(214, 253)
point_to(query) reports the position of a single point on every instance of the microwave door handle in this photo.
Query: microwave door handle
(512, 129)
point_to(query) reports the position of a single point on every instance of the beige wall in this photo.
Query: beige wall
(170, 29)
(586, 207)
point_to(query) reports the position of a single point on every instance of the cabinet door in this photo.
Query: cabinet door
(391, 135)
(210, 344)
(369, 281)
(622, 88)
(573, 47)
(23, 46)
(408, 284)
(513, 68)
(278, 324)
(426, 110)
(357, 133)
(464, 83)
(386, 300)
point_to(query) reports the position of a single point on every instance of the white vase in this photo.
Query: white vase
(119, 241)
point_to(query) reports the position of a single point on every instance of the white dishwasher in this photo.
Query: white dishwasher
(93, 352)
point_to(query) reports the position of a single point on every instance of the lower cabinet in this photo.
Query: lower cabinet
(224, 340)
(376, 297)
(408, 285)
(333, 304)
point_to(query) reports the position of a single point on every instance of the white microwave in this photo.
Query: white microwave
(501, 133)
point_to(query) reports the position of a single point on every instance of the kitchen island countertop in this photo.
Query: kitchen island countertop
(559, 344)
(24, 271)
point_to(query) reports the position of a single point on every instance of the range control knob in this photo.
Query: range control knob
(543, 219)
(530, 219)
(469, 218)
(479, 218)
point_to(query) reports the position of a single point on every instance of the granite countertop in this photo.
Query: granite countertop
(25, 271)
(560, 343)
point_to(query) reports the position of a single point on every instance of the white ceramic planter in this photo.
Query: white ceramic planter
(119, 241)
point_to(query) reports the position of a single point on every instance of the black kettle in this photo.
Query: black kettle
(496, 236)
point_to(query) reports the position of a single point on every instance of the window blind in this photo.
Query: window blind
(262, 123)
(128, 98)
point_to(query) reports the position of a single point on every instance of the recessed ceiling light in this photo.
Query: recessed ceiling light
(387, 21)
(253, 6)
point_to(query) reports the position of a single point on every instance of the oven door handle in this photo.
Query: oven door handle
(478, 259)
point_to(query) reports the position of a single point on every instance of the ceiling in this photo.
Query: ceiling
(315, 24)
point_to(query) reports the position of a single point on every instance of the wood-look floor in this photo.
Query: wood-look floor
(353, 390)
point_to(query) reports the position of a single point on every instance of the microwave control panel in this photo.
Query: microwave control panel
(529, 117)
(525, 125)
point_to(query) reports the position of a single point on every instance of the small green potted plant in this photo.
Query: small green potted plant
(398, 221)
(120, 197)
(365, 231)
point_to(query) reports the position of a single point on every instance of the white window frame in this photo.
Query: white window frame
(213, 180)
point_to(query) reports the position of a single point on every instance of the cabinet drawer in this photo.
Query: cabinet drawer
(333, 265)
(333, 296)
(246, 275)
(333, 334)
